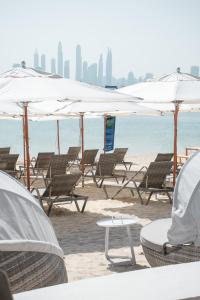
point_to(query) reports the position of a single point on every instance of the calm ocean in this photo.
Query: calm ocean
(141, 134)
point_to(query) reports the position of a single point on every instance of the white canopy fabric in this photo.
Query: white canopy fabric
(29, 229)
(27, 85)
(65, 97)
(185, 226)
(171, 88)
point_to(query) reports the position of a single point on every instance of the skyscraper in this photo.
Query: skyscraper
(92, 74)
(85, 71)
(78, 63)
(43, 62)
(36, 60)
(60, 60)
(109, 68)
(130, 79)
(53, 66)
(66, 69)
(194, 70)
(100, 71)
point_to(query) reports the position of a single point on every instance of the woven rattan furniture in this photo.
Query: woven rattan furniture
(159, 252)
(177, 240)
(29, 251)
(8, 163)
(153, 182)
(105, 169)
(61, 190)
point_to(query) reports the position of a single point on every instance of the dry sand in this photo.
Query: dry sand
(83, 241)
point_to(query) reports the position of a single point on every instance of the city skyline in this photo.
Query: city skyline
(145, 36)
(96, 73)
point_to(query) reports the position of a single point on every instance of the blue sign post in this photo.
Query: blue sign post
(109, 133)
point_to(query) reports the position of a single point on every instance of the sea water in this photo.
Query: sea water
(141, 134)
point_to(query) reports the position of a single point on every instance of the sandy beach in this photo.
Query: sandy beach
(83, 241)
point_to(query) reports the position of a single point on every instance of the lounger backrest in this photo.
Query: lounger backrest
(106, 164)
(62, 185)
(89, 156)
(10, 160)
(57, 165)
(164, 157)
(5, 150)
(120, 153)
(43, 160)
(156, 174)
(73, 153)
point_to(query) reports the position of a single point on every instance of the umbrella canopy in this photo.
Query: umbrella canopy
(29, 229)
(174, 92)
(172, 88)
(28, 85)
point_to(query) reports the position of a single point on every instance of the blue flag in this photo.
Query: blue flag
(110, 133)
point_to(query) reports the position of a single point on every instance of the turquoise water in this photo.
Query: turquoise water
(141, 134)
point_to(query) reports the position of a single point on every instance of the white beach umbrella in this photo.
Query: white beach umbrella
(174, 92)
(22, 87)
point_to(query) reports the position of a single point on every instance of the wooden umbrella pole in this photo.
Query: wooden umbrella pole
(24, 145)
(105, 119)
(82, 146)
(58, 136)
(27, 145)
(175, 141)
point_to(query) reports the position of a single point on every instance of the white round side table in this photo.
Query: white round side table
(118, 222)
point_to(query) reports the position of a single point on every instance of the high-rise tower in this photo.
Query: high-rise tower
(53, 66)
(43, 62)
(36, 60)
(60, 60)
(78, 63)
(66, 69)
(85, 71)
(100, 71)
(109, 68)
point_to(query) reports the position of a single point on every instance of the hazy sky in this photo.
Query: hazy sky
(145, 35)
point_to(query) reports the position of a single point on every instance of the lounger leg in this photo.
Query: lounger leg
(105, 191)
(132, 193)
(170, 198)
(131, 244)
(149, 198)
(77, 206)
(141, 200)
(49, 209)
(84, 205)
(101, 183)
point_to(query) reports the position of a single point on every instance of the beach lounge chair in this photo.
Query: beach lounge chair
(57, 166)
(72, 155)
(42, 162)
(29, 250)
(5, 150)
(61, 190)
(8, 163)
(120, 153)
(153, 181)
(105, 169)
(164, 157)
(89, 158)
(177, 239)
